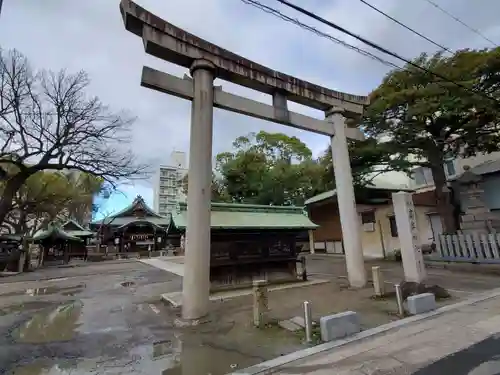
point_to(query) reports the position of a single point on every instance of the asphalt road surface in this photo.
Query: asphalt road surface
(482, 358)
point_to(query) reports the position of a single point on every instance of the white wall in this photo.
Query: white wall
(374, 242)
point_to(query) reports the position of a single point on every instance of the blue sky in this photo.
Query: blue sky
(122, 197)
(90, 35)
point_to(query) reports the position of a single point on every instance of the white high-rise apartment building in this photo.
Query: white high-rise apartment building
(168, 184)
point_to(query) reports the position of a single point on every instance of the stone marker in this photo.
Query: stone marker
(260, 304)
(421, 303)
(378, 281)
(339, 325)
(411, 253)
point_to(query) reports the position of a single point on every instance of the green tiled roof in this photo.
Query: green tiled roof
(332, 193)
(127, 215)
(138, 202)
(54, 232)
(74, 223)
(249, 216)
(321, 197)
(80, 233)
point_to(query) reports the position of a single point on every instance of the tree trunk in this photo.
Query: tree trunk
(444, 203)
(11, 188)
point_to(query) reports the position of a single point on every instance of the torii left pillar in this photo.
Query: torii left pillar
(196, 280)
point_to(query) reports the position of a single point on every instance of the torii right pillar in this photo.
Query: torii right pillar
(344, 187)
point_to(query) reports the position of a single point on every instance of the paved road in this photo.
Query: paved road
(464, 341)
(459, 281)
(107, 318)
(482, 358)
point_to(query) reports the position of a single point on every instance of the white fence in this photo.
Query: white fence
(473, 248)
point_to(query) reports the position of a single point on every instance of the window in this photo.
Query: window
(449, 167)
(419, 177)
(394, 228)
(367, 217)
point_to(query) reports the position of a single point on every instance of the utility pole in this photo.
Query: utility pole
(1, 2)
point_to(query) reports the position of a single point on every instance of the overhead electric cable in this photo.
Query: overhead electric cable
(312, 29)
(381, 49)
(406, 27)
(476, 31)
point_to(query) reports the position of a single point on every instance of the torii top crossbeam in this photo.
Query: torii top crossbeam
(170, 43)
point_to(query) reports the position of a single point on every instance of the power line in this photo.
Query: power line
(405, 26)
(312, 29)
(382, 49)
(476, 31)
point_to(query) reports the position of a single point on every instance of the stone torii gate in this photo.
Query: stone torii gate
(206, 62)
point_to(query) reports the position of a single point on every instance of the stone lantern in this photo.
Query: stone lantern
(477, 217)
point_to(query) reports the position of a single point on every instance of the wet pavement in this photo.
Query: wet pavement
(107, 318)
(110, 323)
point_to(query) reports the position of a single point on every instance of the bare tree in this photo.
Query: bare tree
(48, 122)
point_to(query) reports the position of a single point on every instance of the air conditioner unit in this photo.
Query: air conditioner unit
(369, 227)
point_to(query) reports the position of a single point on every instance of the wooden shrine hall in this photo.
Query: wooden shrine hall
(250, 242)
(136, 228)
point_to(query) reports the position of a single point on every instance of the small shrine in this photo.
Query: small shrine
(250, 242)
(57, 245)
(136, 228)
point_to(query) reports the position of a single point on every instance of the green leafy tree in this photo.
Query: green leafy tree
(426, 120)
(50, 196)
(268, 168)
(219, 193)
(369, 159)
(84, 188)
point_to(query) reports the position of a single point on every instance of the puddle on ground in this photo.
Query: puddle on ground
(22, 307)
(174, 357)
(208, 360)
(42, 368)
(127, 283)
(67, 291)
(50, 326)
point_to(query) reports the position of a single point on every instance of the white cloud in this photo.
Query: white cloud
(90, 35)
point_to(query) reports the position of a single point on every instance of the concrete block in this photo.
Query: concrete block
(421, 303)
(289, 325)
(299, 320)
(339, 325)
